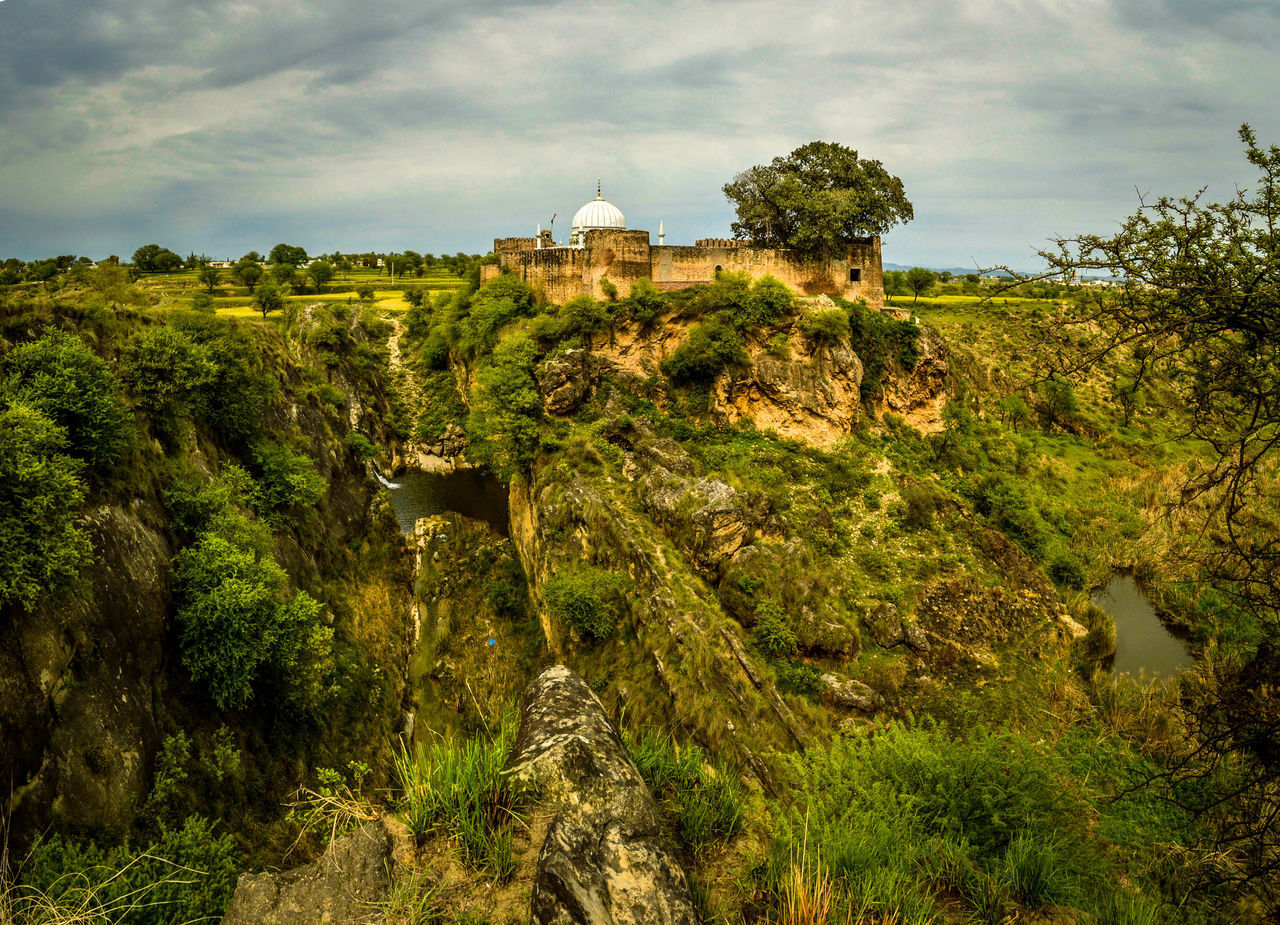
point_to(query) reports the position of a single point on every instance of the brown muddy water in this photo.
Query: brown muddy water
(470, 492)
(1144, 645)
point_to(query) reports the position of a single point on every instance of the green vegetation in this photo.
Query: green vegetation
(236, 621)
(455, 788)
(882, 821)
(63, 379)
(188, 874)
(42, 550)
(586, 598)
(816, 200)
(702, 798)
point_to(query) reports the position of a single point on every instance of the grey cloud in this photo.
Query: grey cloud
(228, 125)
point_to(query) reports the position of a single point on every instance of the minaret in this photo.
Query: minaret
(662, 235)
(538, 237)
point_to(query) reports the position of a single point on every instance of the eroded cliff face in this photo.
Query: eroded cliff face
(92, 681)
(79, 680)
(797, 387)
(918, 395)
(677, 660)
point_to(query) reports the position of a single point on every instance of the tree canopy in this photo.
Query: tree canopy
(153, 257)
(817, 200)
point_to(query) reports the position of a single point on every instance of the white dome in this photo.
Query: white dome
(598, 213)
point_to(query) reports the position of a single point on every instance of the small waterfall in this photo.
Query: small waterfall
(385, 483)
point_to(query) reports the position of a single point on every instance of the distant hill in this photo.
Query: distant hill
(956, 271)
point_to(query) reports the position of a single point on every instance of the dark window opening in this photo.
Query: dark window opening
(855, 275)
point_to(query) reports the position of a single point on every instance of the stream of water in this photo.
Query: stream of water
(1144, 645)
(470, 492)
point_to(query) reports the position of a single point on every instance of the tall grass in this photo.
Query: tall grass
(453, 788)
(704, 797)
(883, 824)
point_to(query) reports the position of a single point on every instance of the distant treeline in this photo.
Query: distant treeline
(153, 258)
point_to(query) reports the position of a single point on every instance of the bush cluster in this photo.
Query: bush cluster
(62, 417)
(587, 598)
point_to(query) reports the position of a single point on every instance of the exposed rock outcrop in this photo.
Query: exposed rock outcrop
(708, 519)
(801, 391)
(77, 683)
(344, 887)
(605, 859)
(690, 675)
(918, 395)
(564, 380)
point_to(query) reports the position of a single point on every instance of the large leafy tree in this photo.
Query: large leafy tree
(291, 254)
(817, 200)
(1201, 298)
(153, 257)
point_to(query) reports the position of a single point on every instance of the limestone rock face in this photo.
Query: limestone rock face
(847, 692)
(78, 680)
(919, 396)
(708, 519)
(811, 394)
(342, 888)
(564, 381)
(605, 860)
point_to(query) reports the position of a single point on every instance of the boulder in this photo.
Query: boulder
(564, 381)
(709, 520)
(344, 886)
(885, 625)
(605, 859)
(846, 692)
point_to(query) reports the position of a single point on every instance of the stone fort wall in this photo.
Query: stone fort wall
(623, 257)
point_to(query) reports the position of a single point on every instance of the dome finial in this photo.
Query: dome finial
(598, 195)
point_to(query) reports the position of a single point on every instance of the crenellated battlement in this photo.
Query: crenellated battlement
(624, 256)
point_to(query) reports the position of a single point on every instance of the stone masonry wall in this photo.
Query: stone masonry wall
(622, 257)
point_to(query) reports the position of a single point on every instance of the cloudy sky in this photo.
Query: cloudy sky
(222, 126)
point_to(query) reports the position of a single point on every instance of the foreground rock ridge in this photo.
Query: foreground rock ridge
(605, 858)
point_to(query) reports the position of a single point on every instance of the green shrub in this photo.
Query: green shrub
(166, 372)
(587, 598)
(794, 678)
(880, 343)
(768, 303)
(63, 379)
(238, 390)
(187, 875)
(41, 548)
(505, 408)
(773, 632)
(921, 501)
(283, 482)
(359, 444)
(826, 327)
(708, 349)
(644, 303)
(583, 315)
(705, 798)
(1065, 569)
(236, 620)
(1004, 501)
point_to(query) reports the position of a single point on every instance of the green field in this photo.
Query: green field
(179, 288)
